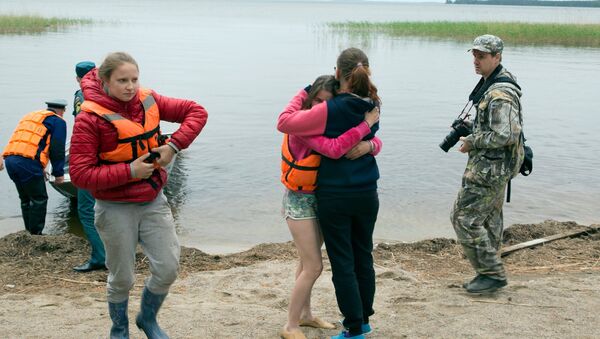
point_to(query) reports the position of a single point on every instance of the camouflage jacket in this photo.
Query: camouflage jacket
(496, 144)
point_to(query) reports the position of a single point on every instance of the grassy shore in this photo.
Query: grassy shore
(514, 33)
(27, 24)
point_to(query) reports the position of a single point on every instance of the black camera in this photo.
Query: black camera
(459, 129)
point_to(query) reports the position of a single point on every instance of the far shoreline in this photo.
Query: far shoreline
(530, 3)
(513, 33)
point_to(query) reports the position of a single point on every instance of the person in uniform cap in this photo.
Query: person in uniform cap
(38, 138)
(85, 200)
(495, 149)
(81, 69)
(57, 104)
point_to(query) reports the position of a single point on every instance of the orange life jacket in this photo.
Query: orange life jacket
(28, 135)
(298, 175)
(135, 139)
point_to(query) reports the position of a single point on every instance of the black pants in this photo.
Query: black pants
(347, 221)
(34, 200)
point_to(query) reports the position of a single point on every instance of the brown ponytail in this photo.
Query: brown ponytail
(354, 68)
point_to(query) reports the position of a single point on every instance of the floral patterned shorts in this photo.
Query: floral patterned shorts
(299, 206)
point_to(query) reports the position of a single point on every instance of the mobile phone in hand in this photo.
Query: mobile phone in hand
(153, 156)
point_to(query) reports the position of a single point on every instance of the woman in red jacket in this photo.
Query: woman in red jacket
(116, 154)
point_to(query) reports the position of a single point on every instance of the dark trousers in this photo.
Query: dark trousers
(347, 221)
(34, 200)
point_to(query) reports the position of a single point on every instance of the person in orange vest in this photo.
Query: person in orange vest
(39, 137)
(117, 154)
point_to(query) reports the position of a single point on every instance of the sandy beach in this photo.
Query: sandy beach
(553, 290)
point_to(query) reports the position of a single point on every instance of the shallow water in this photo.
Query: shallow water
(243, 60)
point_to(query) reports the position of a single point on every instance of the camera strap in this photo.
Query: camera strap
(483, 85)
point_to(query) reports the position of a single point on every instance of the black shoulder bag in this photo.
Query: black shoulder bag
(527, 166)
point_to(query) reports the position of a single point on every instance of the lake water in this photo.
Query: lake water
(243, 61)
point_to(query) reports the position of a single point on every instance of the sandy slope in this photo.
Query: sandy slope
(250, 302)
(554, 291)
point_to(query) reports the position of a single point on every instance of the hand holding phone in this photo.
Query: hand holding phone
(153, 156)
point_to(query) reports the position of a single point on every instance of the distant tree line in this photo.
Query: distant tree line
(566, 3)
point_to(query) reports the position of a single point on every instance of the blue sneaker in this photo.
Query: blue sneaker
(346, 334)
(365, 328)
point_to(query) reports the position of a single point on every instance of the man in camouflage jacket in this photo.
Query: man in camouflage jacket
(495, 150)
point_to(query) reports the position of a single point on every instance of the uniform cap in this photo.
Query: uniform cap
(57, 103)
(488, 43)
(83, 67)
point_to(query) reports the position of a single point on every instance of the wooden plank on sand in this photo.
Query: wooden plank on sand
(531, 243)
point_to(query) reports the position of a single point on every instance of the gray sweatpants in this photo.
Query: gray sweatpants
(121, 226)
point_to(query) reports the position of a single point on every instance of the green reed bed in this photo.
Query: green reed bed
(577, 35)
(26, 24)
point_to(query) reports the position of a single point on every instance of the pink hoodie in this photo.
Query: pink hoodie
(306, 132)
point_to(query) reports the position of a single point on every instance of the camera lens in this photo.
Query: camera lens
(450, 140)
(459, 129)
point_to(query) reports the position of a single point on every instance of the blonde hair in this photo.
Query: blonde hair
(112, 61)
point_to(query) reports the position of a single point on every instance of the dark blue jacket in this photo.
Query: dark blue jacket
(344, 112)
(21, 169)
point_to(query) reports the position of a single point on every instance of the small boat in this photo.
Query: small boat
(66, 188)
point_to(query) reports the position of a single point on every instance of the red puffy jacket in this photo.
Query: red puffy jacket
(92, 135)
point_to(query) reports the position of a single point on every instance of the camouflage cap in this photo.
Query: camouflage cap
(488, 43)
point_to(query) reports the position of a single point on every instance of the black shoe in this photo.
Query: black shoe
(485, 284)
(465, 284)
(87, 267)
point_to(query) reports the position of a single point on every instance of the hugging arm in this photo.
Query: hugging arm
(293, 120)
(335, 148)
(372, 147)
(377, 145)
